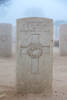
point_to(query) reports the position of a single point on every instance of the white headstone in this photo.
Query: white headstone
(63, 39)
(34, 55)
(5, 40)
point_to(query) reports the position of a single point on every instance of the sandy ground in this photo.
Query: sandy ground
(8, 80)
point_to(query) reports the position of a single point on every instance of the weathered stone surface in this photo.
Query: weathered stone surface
(63, 39)
(34, 55)
(5, 40)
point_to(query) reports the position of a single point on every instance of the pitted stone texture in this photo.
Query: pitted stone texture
(34, 55)
(5, 40)
(63, 39)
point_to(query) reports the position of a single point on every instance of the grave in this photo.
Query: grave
(34, 55)
(63, 39)
(5, 40)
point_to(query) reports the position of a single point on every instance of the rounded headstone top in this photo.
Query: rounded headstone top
(32, 19)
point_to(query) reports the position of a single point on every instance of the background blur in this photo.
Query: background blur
(10, 10)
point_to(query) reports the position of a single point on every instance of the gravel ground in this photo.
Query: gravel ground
(8, 80)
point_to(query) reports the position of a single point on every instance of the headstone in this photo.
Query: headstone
(63, 39)
(14, 41)
(5, 40)
(34, 55)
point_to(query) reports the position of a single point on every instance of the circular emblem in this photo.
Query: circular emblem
(35, 50)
